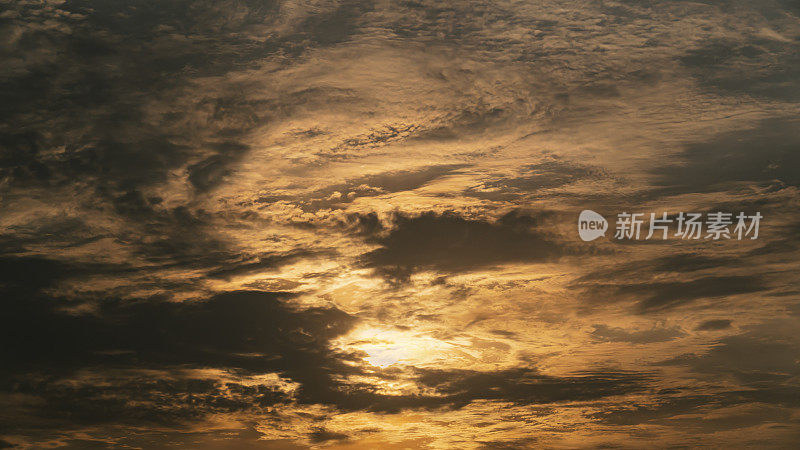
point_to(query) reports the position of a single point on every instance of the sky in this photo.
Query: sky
(342, 224)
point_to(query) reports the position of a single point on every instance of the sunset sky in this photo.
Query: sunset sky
(295, 224)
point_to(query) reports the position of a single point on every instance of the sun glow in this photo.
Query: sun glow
(385, 347)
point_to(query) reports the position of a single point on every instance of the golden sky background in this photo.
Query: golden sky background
(353, 225)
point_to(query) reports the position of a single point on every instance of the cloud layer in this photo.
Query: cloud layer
(348, 224)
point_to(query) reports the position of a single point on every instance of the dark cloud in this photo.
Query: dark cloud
(604, 333)
(449, 242)
(25, 277)
(762, 360)
(210, 172)
(236, 437)
(243, 331)
(336, 26)
(784, 245)
(390, 133)
(657, 296)
(60, 232)
(527, 386)
(22, 276)
(364, 224)
(122, 123)
(682, 411)
(257, 265)
(757, 67)
(714, 324)
(534, 178)
(191, 332)
(512, 444)
(323, 435)
(338, 195)
(455, 389)
(222, 439)
(109, 78)
(752, 357)
(468, 122)
(680, 263)
(656, 287)
(137, 399)
(666, 407)
(765, 154)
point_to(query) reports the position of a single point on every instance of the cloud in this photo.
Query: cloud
(249, 332)
(667, 282)
(762, 155)
(764, 353)
(681, 263)
(526, 386)
(714, 324)
(157, 159)
(604, 333)
(765, 66)
(535, 179)
(339, 195)
(258, 265)
(212, 332)
(658, 296)
(455, 389)
(208, 173)
(449, 242)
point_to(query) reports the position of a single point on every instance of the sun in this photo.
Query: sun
(386, 347)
